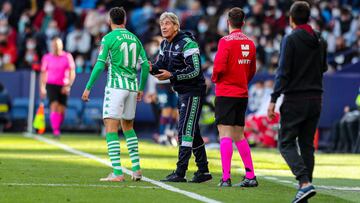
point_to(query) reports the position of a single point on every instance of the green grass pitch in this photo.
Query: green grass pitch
(34, 171)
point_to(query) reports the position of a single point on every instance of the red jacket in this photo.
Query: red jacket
(234, 65)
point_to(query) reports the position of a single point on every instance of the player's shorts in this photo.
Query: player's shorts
(119, 104)
(54, 94)
(166, 96)
(230, 110)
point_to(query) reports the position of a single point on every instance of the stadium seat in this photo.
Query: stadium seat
(73, 113)
(20, 108)
(92, 115)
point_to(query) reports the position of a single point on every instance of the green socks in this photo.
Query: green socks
(113, 144)
(132, 144)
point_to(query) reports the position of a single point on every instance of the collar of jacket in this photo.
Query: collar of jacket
(236, 30)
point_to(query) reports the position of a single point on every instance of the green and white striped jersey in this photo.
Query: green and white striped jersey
(123, 51)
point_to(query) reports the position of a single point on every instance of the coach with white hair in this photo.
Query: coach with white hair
(179, 61)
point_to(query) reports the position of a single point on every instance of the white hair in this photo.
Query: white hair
(171, 16)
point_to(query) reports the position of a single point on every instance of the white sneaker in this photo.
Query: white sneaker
(136, 176)
(113, 178)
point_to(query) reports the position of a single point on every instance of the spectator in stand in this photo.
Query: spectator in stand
(346, 26)
(8, 54)
(78, 41)
(31, 58)
(95, 19)
(50, 13)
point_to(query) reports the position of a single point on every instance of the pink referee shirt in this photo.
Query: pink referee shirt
(57, 68)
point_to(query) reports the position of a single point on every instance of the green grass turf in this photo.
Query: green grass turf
(28, 161)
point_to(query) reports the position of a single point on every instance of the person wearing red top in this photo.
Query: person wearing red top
(234, 67)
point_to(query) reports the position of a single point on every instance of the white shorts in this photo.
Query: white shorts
(119, 104)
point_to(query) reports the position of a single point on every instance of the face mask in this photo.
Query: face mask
(4, 29)
(79, 62)
(6, 59)
(202, 27)
(30, 45)
(314, 12)
(211, 10)
(336, 13)
(29, 58)
(51, 32)
(104, 28)
(49, 9)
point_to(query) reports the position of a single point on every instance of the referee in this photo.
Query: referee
(299, 77)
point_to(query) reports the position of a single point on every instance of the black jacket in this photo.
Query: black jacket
(181, 57)
(301, 65)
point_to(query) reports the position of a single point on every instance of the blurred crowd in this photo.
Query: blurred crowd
(27, 26)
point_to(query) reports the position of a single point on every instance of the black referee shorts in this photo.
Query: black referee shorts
(230, 110)
(54, 94)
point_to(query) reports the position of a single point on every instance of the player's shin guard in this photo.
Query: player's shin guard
(133, 148)
(113, 145)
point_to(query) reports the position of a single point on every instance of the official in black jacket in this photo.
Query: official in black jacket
(299, 77)
(179, 61)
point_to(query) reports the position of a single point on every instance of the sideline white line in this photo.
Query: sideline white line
(95, 158)
(324, 187)
(78, 185)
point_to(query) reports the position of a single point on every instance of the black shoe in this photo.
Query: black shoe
(174, 177)
(246, 182)
(226, 183)
(200, 177)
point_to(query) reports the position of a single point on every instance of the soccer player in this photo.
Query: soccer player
(124, 51)
(56, 78)
(299, 77)
(179, 61)
(234, 67)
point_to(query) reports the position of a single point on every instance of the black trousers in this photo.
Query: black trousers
(190, 140)
(299, 118)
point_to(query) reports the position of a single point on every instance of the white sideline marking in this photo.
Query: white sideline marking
(275, 179)
(78, 185)
(107, 163)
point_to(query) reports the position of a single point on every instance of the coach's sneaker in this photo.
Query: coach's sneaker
(226, 183)
(174, 177)
(246, 182)
(200, 177)
(136, 176)
(113, 178)
(303, 194)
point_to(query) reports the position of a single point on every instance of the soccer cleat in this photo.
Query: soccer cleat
(113, 178)
(226, 183)
(173, 177)
(136, 176)
(246, 182)
(303, 194)
(201, 177)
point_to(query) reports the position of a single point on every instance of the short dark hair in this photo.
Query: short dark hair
(117, 15)
(300, 12)
(236, 17)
